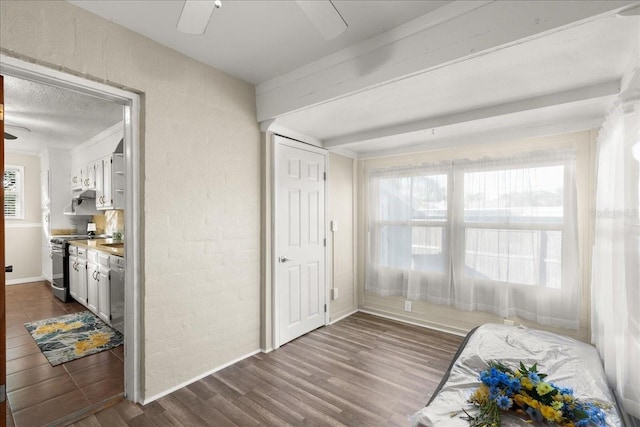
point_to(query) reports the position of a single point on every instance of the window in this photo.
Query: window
(410, 235)
(495, 235)
(513, 224)
(13, 192)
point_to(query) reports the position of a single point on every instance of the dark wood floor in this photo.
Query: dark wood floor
(38, 393)
(361, 371)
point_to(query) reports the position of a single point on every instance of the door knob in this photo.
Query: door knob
(284, 259)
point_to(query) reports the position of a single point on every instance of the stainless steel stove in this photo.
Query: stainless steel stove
(60, 262)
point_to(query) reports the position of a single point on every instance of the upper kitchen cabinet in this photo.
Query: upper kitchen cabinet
(98, 169)
(110, 188)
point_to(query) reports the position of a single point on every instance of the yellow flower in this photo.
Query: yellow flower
(526, 383)
(481, 395)
(543, 388)
(557, 405)
(550, 414)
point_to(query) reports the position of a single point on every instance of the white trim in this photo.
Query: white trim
(22, 224)
(24, 280)
(118, 127)
(146, 401)
(131, 102)
(446, 330)
(344, 316)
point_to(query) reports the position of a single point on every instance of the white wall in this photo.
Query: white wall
(448, 318)
(23, 236)
(200, 178)
(341, 194)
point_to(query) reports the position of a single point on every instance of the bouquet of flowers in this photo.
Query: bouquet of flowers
(527, 394)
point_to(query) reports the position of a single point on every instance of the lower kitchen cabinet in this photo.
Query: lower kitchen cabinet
(92, 284)
(104, 294)
(98, 285)
(78, 274)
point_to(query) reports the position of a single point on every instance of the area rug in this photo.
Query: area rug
(72, 336)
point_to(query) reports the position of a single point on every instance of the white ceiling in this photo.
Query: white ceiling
(257, 40)
(496, 70)
(56, 118)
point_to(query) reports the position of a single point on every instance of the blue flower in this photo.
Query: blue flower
(535, 379)
(504, 403)
(514, 385)
(534, 414)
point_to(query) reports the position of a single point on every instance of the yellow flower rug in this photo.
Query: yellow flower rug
(72, 336)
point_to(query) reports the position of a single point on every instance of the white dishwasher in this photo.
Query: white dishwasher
(117, 268)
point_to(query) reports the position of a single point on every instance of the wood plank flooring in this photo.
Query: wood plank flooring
(362, 371)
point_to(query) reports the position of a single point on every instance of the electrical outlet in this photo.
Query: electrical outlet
(407, 305)
(334, 225)
(334, 293)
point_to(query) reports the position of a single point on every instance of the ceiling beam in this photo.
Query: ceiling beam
(452, 33)
(571, 96)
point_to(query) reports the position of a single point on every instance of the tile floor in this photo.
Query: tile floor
(38, 393)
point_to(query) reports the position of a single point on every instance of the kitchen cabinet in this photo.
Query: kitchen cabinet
(98, 285)
(90, 174)
(78, 288)
(104, 288)
(92, 281)
(110, 184)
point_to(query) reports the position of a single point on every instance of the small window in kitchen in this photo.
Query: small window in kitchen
(13, 192)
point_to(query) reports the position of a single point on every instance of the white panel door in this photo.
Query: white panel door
(299, 249)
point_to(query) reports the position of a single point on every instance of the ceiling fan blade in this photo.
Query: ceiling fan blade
(196, 14)
(9, 136)
(324, 16)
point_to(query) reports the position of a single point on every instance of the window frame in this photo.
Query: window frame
(20, 196)
(376, 226)
(462, 225)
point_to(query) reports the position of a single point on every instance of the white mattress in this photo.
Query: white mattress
(568, 363)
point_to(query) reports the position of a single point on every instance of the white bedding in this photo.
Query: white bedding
(568, 363)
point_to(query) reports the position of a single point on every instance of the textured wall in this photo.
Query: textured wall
(341, 196)
(201, 184)
(23, 236)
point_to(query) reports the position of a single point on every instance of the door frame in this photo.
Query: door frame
(131, 103)
(276, 141)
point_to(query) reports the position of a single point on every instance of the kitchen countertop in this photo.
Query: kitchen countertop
(100, 245)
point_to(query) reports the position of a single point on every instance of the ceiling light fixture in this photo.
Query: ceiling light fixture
(196, 14)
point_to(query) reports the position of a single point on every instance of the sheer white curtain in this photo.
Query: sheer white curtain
(515, 245)
(615, 281)
(409, 233)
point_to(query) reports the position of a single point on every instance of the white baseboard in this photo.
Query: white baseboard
(451, 331)
(146, 400)
(25, 280)
(344, 316)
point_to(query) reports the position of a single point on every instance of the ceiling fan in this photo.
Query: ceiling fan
(9, 136)
(323, 14)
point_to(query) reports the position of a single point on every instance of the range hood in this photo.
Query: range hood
(81, 206)
(84, 194)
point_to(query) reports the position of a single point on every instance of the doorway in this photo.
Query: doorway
(130, 103)
(299, 263)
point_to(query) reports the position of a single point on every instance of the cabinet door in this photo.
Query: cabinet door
(73, 277)
(81, 270)
(90, 178)
(76, 183)
(104, 297)
(92, 287)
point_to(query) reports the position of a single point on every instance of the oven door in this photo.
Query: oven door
(58, 286)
